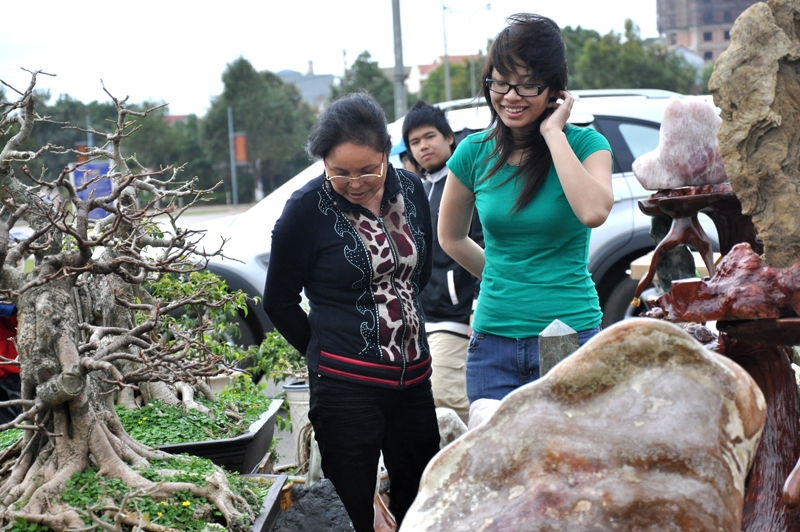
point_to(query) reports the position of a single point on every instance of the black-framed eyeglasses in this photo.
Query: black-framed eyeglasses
(523, 89)
(366, 178)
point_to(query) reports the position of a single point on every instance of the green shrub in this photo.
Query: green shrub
(159, 424)
(90, 492)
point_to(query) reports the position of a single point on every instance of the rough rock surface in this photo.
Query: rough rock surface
(688, 150)
(450, 426)
(756, 83)
(318, 509)
(640, 429)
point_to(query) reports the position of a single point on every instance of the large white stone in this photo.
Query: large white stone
(640, 429)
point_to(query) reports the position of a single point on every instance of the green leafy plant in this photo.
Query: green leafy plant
(240, 404)
(219, 338)
(93, 494)
(21, 525)
(278, 359)
(9, 437)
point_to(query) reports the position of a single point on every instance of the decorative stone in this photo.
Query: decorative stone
(743, 288)
(480, 411)
(317, 509)
(556, 343)
(756, 84)
(640, 429)
(450, 426)
(688, 150)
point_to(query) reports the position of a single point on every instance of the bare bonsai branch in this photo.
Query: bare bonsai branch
(89, 331)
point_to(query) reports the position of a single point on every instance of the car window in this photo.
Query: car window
(629, 138)
(640, 138)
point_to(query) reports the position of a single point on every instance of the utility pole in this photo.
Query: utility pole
(234, 190)
(447, 94)
(400, 99)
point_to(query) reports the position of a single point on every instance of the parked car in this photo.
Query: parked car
(628, 118)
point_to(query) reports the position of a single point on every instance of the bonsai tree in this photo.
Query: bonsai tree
(89, 333)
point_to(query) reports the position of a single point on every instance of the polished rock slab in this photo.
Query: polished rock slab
(640, 429)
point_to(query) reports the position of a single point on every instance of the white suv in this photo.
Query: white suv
(628, 118)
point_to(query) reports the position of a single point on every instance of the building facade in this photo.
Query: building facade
(702, 26)
(315, 89)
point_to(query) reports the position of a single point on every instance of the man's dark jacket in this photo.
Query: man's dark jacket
(447, 300)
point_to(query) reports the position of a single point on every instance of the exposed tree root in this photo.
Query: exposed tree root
(30, 489)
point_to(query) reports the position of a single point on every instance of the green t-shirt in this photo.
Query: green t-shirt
(536, 259)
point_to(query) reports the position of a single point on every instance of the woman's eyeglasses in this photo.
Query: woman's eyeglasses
(342, 179)
(523, 89)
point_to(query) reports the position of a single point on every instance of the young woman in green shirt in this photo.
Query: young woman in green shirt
(539, 185)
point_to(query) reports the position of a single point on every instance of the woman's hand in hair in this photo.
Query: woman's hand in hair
(558, 112)
(587, 184)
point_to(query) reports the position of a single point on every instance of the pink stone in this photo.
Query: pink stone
(640, 429)
(688, 149)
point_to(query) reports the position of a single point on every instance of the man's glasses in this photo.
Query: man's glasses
(523, 89)
(342, 179)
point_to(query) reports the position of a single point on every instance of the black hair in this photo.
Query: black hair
(423, 114)
(535, 43)
(355, 118)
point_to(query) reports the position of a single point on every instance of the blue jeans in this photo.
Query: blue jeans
(497, 365)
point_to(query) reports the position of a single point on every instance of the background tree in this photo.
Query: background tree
(366, 75)
(576, 40)
(612, 63)
(87, 328)
(460, 83)
(707, 71)
(273, 116)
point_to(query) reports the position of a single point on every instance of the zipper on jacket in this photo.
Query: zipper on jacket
(394, 289)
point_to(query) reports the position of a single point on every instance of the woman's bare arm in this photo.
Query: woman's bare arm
(455, 216)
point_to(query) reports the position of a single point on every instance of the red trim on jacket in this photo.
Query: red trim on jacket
(364, 378)
(365, 363)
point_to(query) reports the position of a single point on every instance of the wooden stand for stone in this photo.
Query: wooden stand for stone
(682, 205)
(761, 347)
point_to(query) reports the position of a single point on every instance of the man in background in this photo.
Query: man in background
(448, 299)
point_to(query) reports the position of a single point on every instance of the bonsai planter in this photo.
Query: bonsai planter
(265, 520)
(242, 453)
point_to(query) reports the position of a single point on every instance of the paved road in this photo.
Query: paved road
(202, 213)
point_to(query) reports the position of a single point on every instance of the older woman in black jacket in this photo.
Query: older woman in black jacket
(357, 240)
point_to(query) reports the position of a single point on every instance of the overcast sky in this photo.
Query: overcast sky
(175, 51)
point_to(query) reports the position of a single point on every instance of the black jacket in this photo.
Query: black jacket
(447, 300)
(362, 276)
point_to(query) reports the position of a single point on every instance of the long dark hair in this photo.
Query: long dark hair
(535, 43)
